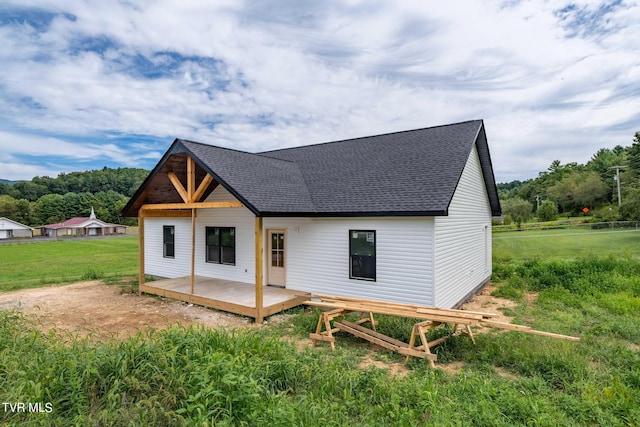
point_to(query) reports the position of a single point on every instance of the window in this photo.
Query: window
(221, 245)
(168, 241)
(362, 255)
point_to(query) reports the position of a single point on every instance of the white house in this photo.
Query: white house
(402, 217)
(10, 229)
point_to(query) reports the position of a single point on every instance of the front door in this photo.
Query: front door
(276, 269)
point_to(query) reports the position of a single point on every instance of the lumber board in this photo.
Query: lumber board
(319, 337)
(526, 329)
(373, 333)
(382, 343)
(402, 305)
(395, 312)
(199, 205)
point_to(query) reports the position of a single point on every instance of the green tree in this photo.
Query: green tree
(630, 207)
(590, 190)
(547, 211)
(520, 210)
(49, 209)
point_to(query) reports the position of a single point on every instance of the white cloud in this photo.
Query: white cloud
(260, 75)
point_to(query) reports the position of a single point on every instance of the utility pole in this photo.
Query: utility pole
(617, 178)
(537, 201)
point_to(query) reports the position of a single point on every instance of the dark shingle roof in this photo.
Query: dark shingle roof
(404, 173)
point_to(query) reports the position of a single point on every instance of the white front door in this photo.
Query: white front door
(276, 268)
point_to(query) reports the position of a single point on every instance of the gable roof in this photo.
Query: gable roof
(9, 224)
(80, 222)
(403, 173)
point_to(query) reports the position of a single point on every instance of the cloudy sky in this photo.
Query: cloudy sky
(87, 84)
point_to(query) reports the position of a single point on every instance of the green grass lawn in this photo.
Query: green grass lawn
(571, 242)
(28, 265)
(262, 376)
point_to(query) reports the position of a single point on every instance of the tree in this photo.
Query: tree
(547, 211)
(590, 190)
(630, 207)
(520, 210)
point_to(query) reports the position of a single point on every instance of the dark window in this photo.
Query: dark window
(362, 255)
(168, 241)
(221, 245)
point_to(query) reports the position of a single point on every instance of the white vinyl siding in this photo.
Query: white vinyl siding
(318, 257)
(244, 222)
(240, 218)
(155, 264)
(463, 238)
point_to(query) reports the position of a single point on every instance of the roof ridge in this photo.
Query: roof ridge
(260, 154)
(369, 136)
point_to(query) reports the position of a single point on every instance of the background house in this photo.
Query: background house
(10, 229)
(82, 226)
(402, 217)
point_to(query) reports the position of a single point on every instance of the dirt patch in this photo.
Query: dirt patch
(395, 369)
(505, 374)
(452, 368)
(104, 311)
(485, 302)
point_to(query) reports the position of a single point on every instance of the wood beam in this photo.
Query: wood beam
(178, 186)
(202, 188)
(259, 268)
(193, 250)
(140, 253)
(191, 179)
(165, 213)
(201, 205)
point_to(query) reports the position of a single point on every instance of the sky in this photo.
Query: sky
(88, 84)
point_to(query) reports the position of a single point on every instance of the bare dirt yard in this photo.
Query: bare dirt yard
(108, 311)
(111, 311)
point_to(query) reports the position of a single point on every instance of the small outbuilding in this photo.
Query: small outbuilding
(10, 229)
(401, 217)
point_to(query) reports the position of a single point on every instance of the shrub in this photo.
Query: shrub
(547, 211)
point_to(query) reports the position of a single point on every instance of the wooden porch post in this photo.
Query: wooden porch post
(193, 250)
(259, 268)
(140, 251)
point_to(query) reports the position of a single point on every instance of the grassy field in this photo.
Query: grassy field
(569, 242)
(261, 376)
(28, 265)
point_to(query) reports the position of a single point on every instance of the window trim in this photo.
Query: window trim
(165, 243)
(206, 245)
(375, 269)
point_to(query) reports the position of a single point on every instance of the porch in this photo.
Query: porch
(226, 295)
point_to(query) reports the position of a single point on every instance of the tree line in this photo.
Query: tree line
(45, 200)
(574, 189)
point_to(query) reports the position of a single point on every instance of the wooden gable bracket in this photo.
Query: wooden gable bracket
(190, 194)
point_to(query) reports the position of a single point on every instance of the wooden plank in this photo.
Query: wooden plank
(401, 305)
(140, 252)
(191, 179)
(199, 205)
(526, 329)
(382, 343)
(178, 186)
(193, 250)
(417, 353)
(259, 267)
(320, 337)
(164, 213)
(373, 333)
(395, 312)
(208, 179)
